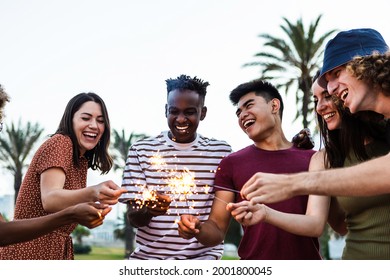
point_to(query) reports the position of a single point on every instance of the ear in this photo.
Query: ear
(275, 103)
(203, 113)
(166, 110)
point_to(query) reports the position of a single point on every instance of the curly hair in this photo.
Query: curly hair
(184, 82)
(373, 69)
(3, 99)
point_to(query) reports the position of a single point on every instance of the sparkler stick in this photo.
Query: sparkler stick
(227, 189)
(221, 200)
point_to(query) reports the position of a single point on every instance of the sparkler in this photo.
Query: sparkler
(180, 185)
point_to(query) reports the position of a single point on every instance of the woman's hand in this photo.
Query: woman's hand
(108, 192)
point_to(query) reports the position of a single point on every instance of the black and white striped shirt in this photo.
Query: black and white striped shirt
(156, 164)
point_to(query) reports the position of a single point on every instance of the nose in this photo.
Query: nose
(93, 124)
(332, 87)
(332, 84)
(243, 115)
(181, 118)
(321, 105)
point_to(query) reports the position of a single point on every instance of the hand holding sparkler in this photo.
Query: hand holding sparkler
(141, 211)
(159, 205)
(107, 192)
(188, 226)
(246, 213)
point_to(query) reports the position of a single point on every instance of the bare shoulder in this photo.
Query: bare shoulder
(319, 154)
(317, 161)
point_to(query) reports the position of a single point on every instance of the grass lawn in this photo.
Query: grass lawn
(107, 253)
(102, 253)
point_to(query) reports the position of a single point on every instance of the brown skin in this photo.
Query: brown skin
(184, 110)
(153, 208)
(86, 214)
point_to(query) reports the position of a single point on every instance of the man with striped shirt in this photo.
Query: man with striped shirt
(173, 174)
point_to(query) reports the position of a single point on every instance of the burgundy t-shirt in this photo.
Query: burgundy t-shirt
(265, 241)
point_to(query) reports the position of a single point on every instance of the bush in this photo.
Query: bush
(81, 249)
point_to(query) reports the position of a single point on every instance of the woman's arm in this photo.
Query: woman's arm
(86, 214)
(336, 218)
(56, 198)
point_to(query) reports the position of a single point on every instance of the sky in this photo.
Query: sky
(125, 50)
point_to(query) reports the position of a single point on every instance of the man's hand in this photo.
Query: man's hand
(188, 226)
(267, 188)
(158, 206)
(303, 139)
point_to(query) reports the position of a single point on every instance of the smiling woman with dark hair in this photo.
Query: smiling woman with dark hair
(57, 176)
(88, 214)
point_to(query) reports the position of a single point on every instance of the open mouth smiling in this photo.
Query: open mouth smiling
(90, 135)
(248, 123)
(182, 128)
(344, 94)
(328, 115)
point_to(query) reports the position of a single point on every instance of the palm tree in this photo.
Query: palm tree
(293, 62)
(16, 147)
(121, 145)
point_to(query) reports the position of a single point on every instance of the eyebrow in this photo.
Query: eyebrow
(90, 115)
(244, 105)
(324, 92)
(85, 113)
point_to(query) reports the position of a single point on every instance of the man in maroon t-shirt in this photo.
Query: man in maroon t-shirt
(259, 112)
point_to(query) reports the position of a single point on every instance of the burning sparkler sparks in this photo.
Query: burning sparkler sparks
(180, 185)
(158, 162)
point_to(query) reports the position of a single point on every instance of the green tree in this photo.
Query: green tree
(79, 232)
(16, 146)
(121, 145)
(293, 62)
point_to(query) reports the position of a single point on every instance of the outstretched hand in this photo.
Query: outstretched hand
(267, 188)
(109, 192)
